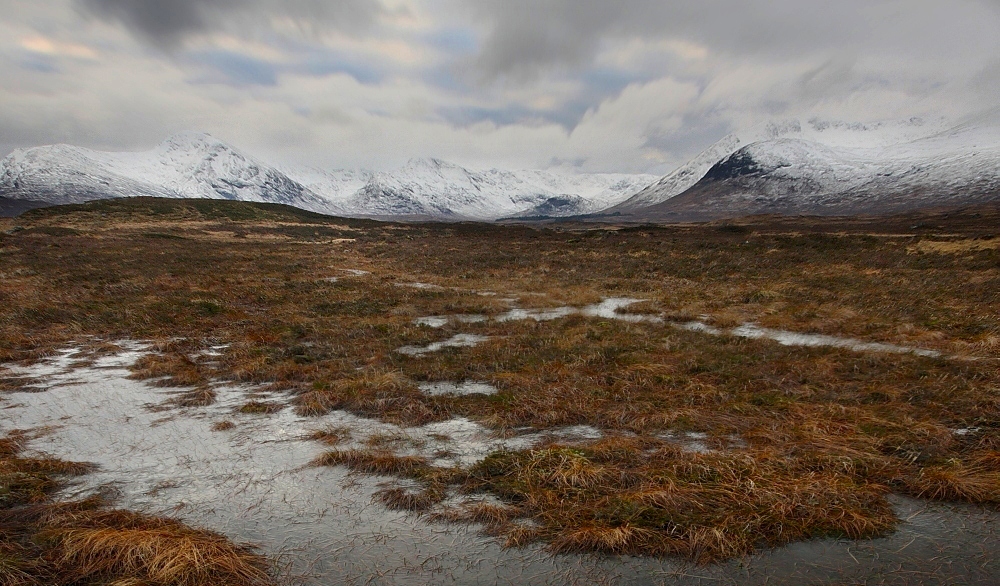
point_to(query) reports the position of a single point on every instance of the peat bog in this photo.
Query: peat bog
(692, 443)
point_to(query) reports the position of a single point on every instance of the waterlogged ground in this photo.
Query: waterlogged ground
(768, 402)
(255, 482)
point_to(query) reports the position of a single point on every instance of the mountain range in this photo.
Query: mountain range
(194, 165)
(822, 168)
(791, 167)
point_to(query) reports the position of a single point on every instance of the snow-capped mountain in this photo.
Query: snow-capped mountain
(796, 176)
(186, 165)
(431, 187)
(199, 166)
(832, 134)
(815, 167)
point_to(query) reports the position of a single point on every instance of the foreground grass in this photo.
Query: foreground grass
(803, 442)
(84, 542)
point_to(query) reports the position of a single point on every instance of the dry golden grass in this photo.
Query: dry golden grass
(330, 436)
(705, 507)
(261, 408)
(175, 370)
(401, 499)
(496, 518)
(956, 481)
(199, 397)
(387, 395)
(808, 441)
(156, 551)
(223, 426)
(374, 462)
(963, 246)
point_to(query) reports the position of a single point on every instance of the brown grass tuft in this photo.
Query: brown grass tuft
(374, 462)
(261, 408)
(956, 482)
(614, 540)
(494, 517)
(203, 396)
(174, 369)
(330, 436)
(118, 544)
(402, 499)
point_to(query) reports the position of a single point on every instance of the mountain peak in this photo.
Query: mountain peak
(190, 140)
(429, 163)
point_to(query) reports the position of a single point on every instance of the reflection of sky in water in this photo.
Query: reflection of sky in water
(786, 338)
(457, 389)
(254, 484)
(458, 341)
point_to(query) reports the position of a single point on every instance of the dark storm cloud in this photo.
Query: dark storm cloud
(162, 20)
(165, 22)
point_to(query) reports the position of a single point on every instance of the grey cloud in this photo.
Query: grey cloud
(856, 60)
(828, 77)
(529, 36)
(987, 80)
(165, 22)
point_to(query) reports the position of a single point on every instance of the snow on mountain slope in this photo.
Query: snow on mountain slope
(431, 187)
(598, 192)
(65, 174)
(199, 166)
(336, 187)
(186, 165)
(832, 134)
(794, 176)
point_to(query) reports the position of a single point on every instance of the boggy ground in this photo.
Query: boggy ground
(43, 543)
(795, 443)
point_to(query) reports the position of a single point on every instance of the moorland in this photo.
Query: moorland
(720, 431)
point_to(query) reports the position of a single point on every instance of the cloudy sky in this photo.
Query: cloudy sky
(595, 85)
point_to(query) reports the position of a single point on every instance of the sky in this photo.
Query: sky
(588, 85)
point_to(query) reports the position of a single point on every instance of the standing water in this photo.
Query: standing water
(254, 483)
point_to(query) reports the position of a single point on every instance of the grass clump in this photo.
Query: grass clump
(703, 507)
(201, 397)
(375, 462)
(330, 436)
(114, 544)
(223, 426)
(404, 499)
(498, 519)
(260, 408)
(387, 395)
(174, 369)
(84, 542)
